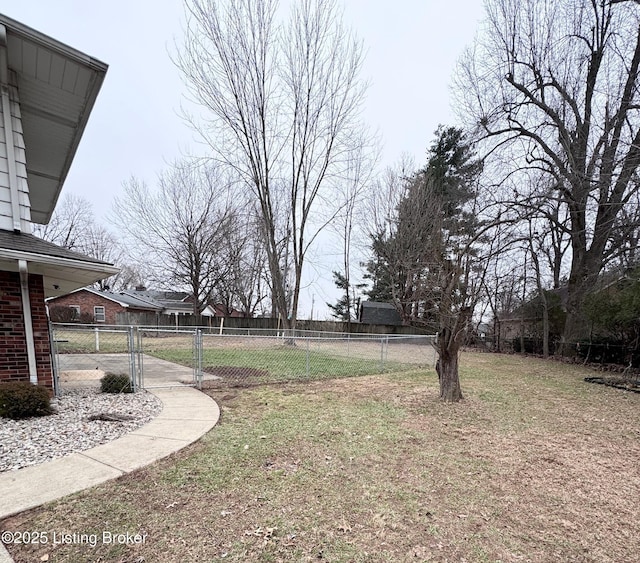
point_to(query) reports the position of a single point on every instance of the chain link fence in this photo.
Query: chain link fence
(233, 357)
(241, 360)
(83, 354)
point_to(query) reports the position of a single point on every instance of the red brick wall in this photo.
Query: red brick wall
(87, 301)
(14, 360)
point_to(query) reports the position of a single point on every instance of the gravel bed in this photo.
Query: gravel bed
(35, 440)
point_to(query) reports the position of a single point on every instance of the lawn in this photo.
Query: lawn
(277, 363)
(250, 360)
(83, 341)
(534, 465)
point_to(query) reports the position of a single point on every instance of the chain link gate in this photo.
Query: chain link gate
(81, 355)
(156, 350)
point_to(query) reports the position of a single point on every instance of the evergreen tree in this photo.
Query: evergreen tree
(345, 308)
(429, 262)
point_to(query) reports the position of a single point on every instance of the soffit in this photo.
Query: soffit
(57, 87)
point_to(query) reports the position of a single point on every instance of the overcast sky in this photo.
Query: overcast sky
(135, 127)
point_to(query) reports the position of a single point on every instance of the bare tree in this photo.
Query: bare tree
(131, 275)
(352, 191)
(70, 224)
(386, 192)
(282, 104)
(243, 287)
(103, 245)
(626, 236)
(502, 289)
(178, 229)
(377, 216)
(437, 249)
(454, 262)
(556, 84)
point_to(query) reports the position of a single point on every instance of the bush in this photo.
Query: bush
(534, 345)
(116, 383)
(61, 314)
(21, 399)
(607, 351)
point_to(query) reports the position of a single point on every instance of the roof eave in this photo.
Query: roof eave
(53, 44)
(108, 269)
(51, 186)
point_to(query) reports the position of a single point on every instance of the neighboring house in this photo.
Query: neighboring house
(47, 91)
(181, 303)
(101, 306)
(224, 311)
(172, 302)
(130, 306)
(526, 321)
(376, 313)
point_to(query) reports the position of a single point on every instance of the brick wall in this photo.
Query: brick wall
(14, 360)
(87, 301)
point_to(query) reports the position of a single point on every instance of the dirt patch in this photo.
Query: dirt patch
(235, 372)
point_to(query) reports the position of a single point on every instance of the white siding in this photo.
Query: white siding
(6, 218)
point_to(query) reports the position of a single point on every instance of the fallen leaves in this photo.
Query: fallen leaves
(261, 532)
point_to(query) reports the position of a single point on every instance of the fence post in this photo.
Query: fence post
(140, 353)
(381, 354)
(308, 374)
(386, 352)
(97, 332)
(132, 358)
(55, 367)
(198, 358)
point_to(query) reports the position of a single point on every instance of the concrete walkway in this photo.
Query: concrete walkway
(186, 415)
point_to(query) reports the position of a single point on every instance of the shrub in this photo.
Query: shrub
(607, 351)
(116, 383)
(61, 314)
(21, 399)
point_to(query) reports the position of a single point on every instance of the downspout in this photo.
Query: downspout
(28, 324)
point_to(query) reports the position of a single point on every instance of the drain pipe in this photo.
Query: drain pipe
(28, 324)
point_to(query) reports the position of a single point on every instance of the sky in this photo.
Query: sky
(136, 128)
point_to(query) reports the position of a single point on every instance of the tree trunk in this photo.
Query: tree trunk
(574, 326)
(545, 330)
(447, 368)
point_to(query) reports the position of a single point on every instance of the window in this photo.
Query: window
(98, 314)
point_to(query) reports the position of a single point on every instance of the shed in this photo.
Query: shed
(377, 313)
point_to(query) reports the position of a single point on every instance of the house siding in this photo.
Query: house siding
(14, 360)
(20, 163)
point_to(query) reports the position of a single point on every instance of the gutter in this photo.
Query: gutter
(85, 265)
(28, 324)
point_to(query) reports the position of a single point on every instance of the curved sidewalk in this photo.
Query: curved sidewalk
(187, 414)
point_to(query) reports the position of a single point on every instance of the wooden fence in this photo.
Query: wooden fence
(160, 321)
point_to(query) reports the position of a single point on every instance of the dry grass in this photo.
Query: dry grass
(534, 465)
